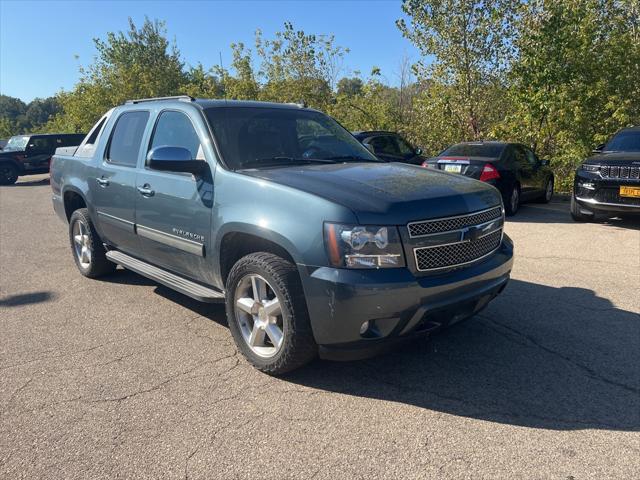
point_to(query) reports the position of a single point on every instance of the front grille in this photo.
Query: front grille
(616, 171)
(453, 255)
(612, 195)
(428, 227)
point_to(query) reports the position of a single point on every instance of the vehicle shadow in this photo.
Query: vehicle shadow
(558, 212)
(215, 311)
(540, 357)
(26, 299)
(31, 183)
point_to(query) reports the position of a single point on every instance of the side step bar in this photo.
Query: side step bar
(168, 279)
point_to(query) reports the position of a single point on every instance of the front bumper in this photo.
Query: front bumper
(397, 304)
(595, 194)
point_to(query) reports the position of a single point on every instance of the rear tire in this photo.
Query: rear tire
(577, 212)
(86, 246)
(512, 201)
(8, 174)
(275, 340)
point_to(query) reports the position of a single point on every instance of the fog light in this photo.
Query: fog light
(364, 327)
(588, 186)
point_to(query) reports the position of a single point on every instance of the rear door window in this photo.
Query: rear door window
(126, 138)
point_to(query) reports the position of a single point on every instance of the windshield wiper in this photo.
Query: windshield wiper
(276, 161)
(338, 158)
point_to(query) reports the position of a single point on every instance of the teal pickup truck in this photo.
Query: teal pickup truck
(315, 245)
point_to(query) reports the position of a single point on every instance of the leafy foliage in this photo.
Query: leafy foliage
(559, 76)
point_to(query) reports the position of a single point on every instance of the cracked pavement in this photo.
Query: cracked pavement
(121, 378)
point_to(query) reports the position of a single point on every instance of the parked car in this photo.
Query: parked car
(315, 245)
(390, 147)
(31, 154)
(512, 168)
(609, 181)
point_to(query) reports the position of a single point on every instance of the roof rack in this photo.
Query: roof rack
(182, 98)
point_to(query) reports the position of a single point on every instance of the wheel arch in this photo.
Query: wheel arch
(236, 243)
(73, 200)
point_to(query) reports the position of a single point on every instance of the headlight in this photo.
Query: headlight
(590, 168)
(357, 246)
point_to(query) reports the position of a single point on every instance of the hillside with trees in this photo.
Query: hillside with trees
(559, 76)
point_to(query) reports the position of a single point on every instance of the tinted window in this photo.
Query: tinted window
(252, 137)
(42, 144)
(405, 149)
(174, 129)
(531, 157)
(520, 156)
(628, 141)
(488, 150)
(126, 138)
(385, 145)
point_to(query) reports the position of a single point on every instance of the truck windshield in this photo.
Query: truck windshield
(628, 141)
(261, 137)
(17, 143)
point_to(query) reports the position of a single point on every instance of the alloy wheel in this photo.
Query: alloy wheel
(515, 199)
(82, 244)
(259, 315)
(549, 192)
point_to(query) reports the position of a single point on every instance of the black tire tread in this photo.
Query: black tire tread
(577, 215)
(100, 266)
(13, 179)
(299, 345)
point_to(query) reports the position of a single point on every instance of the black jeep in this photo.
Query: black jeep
(31, 154)
(609, 181)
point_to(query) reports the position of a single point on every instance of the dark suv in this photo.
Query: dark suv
(609, 181)
(390, 147)
(31, 154)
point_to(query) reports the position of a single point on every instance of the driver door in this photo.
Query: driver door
(173, 210)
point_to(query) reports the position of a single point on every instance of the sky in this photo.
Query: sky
(43, 43)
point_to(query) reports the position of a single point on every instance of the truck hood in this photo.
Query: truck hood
(387, 193)
(614, 157)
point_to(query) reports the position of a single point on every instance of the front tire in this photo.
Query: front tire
(577, 212)
(86, 246)
(8, 174)
(267, 313)
(512, 201)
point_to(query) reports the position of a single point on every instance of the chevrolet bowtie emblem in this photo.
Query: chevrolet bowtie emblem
(471, 234)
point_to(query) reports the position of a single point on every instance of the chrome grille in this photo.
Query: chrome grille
(428, 227)
(616, 171)
(456, 254)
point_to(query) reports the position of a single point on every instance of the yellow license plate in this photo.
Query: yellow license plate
(633, 192)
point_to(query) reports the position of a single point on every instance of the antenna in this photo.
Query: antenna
(224, 87)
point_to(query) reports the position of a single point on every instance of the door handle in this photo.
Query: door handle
(146, 191)
(103, 182)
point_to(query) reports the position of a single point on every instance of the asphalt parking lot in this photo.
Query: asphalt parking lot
(121, 378)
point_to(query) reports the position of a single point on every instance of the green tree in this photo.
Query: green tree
(576, 79)
(298, 67)
(138, 63)
(470, 44)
